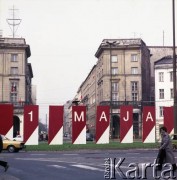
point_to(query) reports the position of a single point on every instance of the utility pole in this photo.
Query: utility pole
(13, 22)
(46, 122)
(174, 71)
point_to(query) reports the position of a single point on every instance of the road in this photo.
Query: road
(80, 165)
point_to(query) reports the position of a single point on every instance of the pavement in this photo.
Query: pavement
(8, 177)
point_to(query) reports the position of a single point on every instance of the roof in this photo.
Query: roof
(165, 60)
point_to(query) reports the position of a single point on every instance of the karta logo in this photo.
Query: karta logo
(114, 167)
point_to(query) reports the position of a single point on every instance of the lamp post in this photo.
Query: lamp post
(111, 44)
(174, 71)
(76, 102)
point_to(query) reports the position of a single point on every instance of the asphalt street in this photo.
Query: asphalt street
(80, 165)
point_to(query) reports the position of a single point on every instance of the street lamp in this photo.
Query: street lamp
(174, 71)
(76, 102)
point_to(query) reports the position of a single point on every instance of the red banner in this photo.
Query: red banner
(168, 119)
(102, 124)
(31, 114)
(126, 124)
(55, 125)
(148, 124)
(6, 120)
(79, 124)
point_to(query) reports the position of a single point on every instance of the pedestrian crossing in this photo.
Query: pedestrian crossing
(81, 166)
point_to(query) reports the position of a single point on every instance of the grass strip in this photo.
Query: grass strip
(68, 146)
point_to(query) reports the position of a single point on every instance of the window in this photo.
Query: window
(161, 111)
(115, 96)
(161, 93)
(14, 57)
(161, 76)
(134, 57)
(113, 58)
(171, 76)
(115, 91)
(13, 91)
(14, 70)
(92, 99)
(134, 70)
(171, 94)
(114, 70)
(134, 85)
(134, 96)
(114, 87)
(14, 87)
(13, 97)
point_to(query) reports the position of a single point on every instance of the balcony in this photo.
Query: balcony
(135, 104)
(17, 105)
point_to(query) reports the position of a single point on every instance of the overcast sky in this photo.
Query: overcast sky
(64, 36)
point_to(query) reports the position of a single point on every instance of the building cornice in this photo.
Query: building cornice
(120, 44)
(15, 43)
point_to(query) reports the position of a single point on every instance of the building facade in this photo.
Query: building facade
(123, 78)
(164, 95)
(67, 119)
(88, 92)
(157, 52)
(125, 74)
(16, 77)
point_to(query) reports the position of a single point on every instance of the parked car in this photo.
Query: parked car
(18, 138)
(174, 141)
(89, 137)
(11, 145)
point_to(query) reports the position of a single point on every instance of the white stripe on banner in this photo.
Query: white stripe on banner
(81, 139)
(129, 136)
(33, 139)
(151, 136)
(58, 139)
(105, 137)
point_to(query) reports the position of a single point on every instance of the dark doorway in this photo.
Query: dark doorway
(136, 125)
(16, 124)
(116, 126)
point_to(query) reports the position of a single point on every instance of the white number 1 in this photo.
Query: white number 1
(31, 115)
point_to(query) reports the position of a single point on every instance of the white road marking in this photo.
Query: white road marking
(132, 153)
(57, 166)
(87, 167)
(44, 159)
(37, 154)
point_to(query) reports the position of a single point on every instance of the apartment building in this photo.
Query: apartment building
(88, 97)
(157, 52)
(16, 77)
(121, 76)
(163, 88)
(123, 72)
